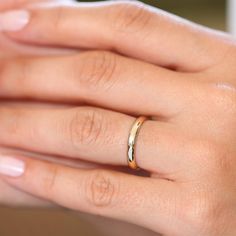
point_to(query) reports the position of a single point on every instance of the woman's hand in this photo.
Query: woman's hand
(10, 195)
(8, 52)
(181, 75)
(10, 48)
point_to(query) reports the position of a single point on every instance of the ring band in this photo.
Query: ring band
(132, 141)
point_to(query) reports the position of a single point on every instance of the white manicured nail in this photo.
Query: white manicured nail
(11, 167)
(14, 20)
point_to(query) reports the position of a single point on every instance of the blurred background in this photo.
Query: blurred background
(24, 222)
(211, 13)
(207, 12)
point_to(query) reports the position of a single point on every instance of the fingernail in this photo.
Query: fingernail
(14, 20)
(11, 167)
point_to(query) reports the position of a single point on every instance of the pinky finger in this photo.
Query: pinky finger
(140, 200)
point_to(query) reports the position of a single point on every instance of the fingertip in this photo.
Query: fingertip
(14, 20)
(26, 30)
(11, 166)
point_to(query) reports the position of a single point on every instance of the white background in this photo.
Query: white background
(232, 16)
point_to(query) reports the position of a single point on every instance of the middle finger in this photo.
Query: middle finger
(99, 78)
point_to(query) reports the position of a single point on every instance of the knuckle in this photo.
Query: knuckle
(86, 127)
(101, 189)
(204, 212)
(58, 19)
(50, 181)
(215, 159)
(129, 17)
(16, 75)
(224, 98)
(227, 102)
(220, 109)
(22, 74)
(24, 70)
(97, 70)
(208, 149)
(13, 126)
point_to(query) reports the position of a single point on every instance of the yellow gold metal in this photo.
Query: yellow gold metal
(132, 141)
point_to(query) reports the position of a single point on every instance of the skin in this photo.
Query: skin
(178, 73)
(13, 197)
(10, 50)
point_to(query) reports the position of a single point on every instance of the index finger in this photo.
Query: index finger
(129, 28)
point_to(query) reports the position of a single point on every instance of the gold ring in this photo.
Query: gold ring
(132, 141)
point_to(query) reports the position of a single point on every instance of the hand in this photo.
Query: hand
(9, 195)
(181, 75)
(9, 49)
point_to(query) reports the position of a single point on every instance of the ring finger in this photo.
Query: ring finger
(95, 135)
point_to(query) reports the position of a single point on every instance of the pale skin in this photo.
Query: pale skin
(13, 197)
(141, 61)
(11, 49)
(8, 48)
